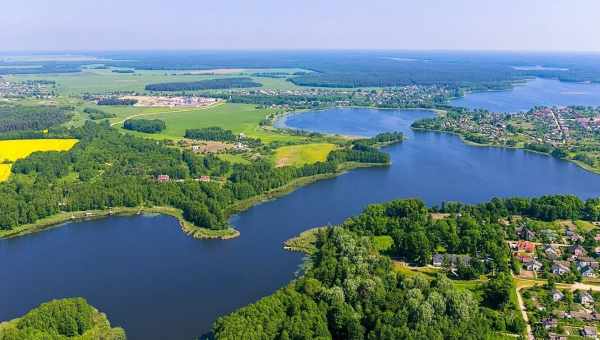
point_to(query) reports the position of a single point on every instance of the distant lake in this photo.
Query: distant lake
(158, 283)
(534, 92)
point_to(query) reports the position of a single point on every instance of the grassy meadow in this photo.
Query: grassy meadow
(297, 155)
(11, 150)
(239, 118)
(106, 81)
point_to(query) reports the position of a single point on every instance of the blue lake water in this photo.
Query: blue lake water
(158, 283)
(535, 92)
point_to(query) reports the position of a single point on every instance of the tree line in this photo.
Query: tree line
(145, 125)
(209, 84)
(112, 169)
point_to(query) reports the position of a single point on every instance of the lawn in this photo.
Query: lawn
(296, 155)
(11, 150)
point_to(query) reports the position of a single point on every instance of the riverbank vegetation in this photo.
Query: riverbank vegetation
(350, 289)
(61, 319)
(571, 133)
(108, 169)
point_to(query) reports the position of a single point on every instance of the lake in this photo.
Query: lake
(158, 283)
(534, 92)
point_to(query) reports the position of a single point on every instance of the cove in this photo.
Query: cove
(158, 283)
(522, 97)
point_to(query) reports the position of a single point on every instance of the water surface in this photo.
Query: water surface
(158, 283)
(535, 92)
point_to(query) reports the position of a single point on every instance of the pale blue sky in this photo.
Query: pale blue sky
(567, 25)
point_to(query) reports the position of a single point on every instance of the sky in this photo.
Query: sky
(530, 25)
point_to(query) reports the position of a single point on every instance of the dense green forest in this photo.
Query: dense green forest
(349, 290)
(211, 133)
(109, 169)
(18, 117)
(224, 83)
(145, 125)
(61, 320)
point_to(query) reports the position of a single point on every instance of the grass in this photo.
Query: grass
(239, 118)
(233, 158)
(297, 155)
(11, 150)
(305, 242)
(105, 81)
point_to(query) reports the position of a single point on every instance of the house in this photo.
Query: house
(589, 332)
(163, 178)
(560, 268)
(526, 234)
(587, 272)
(204, 179)
(557, 295)
(439, 260)
(597, 250)
(549, 323)
(525, 246)
(195, 148)
(576, 238)
(533, 265)
(577, 250)
(586, 298)
(553, 336)
(597, 238)
(551, 252)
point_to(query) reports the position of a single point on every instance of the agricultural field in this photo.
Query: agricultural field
(297, 155)
(239, 118)
(105, 81)
(11, 150)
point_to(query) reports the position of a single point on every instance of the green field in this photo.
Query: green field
(239, 118)
(296, 155)
(106, 81)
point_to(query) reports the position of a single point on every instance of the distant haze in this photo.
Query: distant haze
(548, 25)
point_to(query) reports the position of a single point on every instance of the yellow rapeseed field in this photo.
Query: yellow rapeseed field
(12, 150)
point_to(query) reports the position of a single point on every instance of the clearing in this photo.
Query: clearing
(297, 155)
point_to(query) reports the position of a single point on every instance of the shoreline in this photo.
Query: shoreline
(200, 233)
(489, 145)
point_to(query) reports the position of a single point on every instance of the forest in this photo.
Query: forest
(119, 170)
(19, 117)
(145, 125)
(211, 133)
(96, 114)
(349, 289)
(210, 84)
(62, 319)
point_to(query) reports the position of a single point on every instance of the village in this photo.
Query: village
(40, 89)
(561, 260)
(171, 101)
(403, 96)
